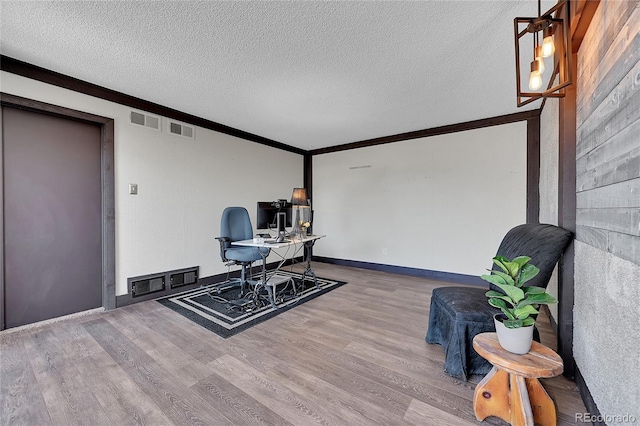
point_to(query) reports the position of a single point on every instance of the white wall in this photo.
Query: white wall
(549, 154)
(441, 203)
(183, 185)
(549, 158)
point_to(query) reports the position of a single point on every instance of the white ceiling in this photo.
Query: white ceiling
(307, 74)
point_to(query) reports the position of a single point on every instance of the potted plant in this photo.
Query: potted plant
(517, 302)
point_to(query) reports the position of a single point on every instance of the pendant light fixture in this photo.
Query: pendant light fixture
(549, 70)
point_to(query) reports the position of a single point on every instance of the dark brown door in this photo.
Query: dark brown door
(52, 216)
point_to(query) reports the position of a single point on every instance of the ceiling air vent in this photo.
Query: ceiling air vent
(145, 120)
(181, 129)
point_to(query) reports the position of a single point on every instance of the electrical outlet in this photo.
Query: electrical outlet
(133, 188)
(385, 252)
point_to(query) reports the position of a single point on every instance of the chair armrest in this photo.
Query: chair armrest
(223, 247)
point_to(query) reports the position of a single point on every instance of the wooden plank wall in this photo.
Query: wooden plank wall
(608, 132)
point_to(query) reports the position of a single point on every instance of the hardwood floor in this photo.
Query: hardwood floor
(354, 356)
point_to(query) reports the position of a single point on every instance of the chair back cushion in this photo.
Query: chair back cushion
(543, 243)
(235, 224)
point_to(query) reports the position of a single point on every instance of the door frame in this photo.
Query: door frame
(107, 183)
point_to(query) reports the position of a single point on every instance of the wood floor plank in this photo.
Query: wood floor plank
(318, 362)
(354, 374)
(351, 318)
(414, 348)
(180, 326)
(305, 379)
(66, 393)
(180, 331)
(296, 408)
(21, 401)
(167, 353)
(365, 332)
(273, 355)
(420, 414)
(353, 409)
(418, 368)
(75, 340)
(371, 379)
(123, 401)
(355, 355)
(177, 402)
(236, 404)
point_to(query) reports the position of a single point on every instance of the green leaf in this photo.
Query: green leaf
(528, 321)
(506, 277)
(549, 299)
(539, 299)
(509, 314)
(500, 261)
(523, 312)
(517, 323)
(494, 279)
(514, 269)
(516, 294)
(528, 272)
(521, 260)
(498, 303)
(533, 290)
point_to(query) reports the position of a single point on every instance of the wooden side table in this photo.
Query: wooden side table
(511, 390)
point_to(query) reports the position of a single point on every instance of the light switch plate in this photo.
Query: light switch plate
(133, 188)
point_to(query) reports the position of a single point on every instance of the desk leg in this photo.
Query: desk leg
(308, 245)
(272, 296)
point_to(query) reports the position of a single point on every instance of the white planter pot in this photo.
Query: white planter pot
(515, 340)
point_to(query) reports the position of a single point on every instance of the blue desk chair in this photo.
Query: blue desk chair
(235, 225)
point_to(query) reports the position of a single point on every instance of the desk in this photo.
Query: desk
(512, 390)
(306, 241)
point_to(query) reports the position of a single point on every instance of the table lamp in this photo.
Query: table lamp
(299, 198)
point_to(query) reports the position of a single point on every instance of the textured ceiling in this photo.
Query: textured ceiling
(307, 74)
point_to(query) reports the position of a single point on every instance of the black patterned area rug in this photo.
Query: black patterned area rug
(226, 314)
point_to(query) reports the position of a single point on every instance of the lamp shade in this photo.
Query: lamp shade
(299, 197)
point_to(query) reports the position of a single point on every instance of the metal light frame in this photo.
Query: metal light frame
(561, 57)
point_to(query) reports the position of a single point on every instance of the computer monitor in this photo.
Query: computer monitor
(267, 214)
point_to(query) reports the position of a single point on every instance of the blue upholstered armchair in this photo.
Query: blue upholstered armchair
(235, 225)
(458, 314)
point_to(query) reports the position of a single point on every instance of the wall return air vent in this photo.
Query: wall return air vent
(162, 283)
(181, 130)
(145, 120)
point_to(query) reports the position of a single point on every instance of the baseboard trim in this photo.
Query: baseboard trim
(403, 270)
(127, 299)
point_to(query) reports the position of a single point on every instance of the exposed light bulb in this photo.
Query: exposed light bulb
(540, 59)
(548, 46)
(535, 79)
